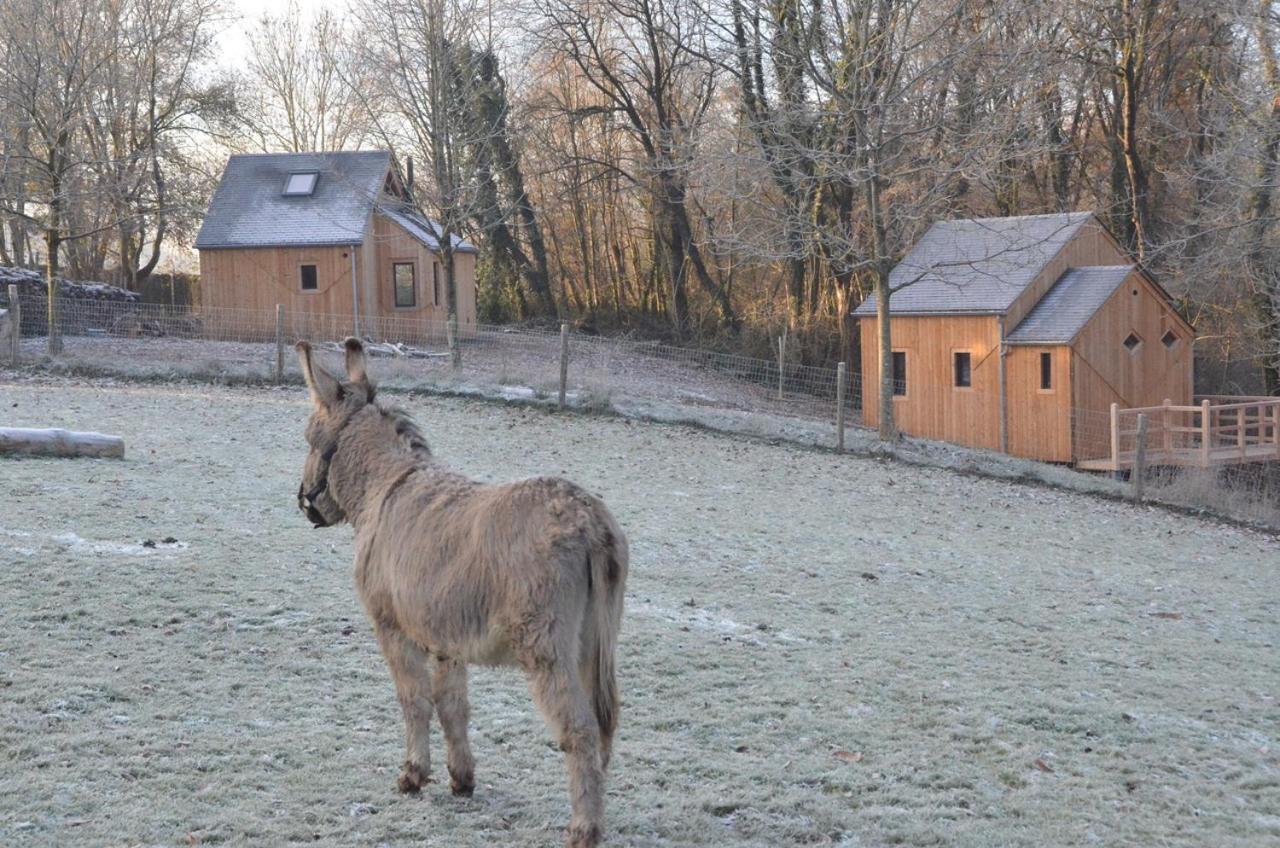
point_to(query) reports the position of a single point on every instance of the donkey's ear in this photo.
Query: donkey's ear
(356, 372)
(325, 388)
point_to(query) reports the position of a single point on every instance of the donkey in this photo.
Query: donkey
(452, 571)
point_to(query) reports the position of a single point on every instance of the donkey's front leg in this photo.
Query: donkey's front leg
(411, 671)
(449, 688)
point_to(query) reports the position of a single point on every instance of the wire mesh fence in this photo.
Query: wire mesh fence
(136, 339)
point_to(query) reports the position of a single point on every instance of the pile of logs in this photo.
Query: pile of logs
(80, 300)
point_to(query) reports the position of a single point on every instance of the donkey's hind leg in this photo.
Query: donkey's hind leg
(449, 688)
(560, 696)
(411, 671)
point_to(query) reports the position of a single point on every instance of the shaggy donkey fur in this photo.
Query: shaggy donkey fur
(453, 572)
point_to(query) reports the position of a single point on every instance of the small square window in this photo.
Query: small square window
(307, 276)
(1132, 342)
(900, 373)
(1046, 371)
(963, 370)
(300, 184)
(406, 291)
(1170, 339)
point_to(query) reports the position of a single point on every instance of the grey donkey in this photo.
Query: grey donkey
(452, 571)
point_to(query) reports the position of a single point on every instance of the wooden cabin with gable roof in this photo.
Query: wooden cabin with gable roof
(331, 234)
(1018, 334)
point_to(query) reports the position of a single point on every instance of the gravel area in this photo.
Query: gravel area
(817, 649)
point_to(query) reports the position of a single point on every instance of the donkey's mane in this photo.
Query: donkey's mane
(406, 430)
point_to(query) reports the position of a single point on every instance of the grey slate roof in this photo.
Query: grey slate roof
(976, 265)
(248, 209)
(1068, 306)
(422, 228)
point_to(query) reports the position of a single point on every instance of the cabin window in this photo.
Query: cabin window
(1170, 339)
(307, 277)
(435, 283)
(1132, 342)
(300, 184)
(406, 290)
(1046, 372)
(963, 368)
(900, 373)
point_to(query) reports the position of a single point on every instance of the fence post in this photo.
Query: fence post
(15, 314)
(1115, 437)
(1140, 458)
(279, 343)
(1206, 432)
(564, 361)
(1167, 427)
(782, 361)
(840, 377)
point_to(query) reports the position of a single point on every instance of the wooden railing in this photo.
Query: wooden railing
(1220, 430)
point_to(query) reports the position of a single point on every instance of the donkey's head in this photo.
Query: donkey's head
(336, 402)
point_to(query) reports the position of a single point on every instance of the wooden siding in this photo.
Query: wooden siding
(254, 280)
(393, 244)
(259, 278)
(934, 408)
(1039, 420)
(1105, 372)
(1092, 245)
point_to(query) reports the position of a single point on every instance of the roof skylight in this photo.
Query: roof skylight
(300, 184)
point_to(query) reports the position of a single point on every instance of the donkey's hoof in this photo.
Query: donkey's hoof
(582, 836)
(412, 779)
(463, 786)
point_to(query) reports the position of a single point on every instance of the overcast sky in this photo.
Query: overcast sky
(234, 41)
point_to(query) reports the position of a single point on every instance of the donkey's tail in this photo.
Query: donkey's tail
(608, 578)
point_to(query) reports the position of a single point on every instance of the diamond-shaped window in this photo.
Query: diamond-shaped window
(1132, 342)
(1170, 339)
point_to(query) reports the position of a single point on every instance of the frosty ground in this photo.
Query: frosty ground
(816, 649)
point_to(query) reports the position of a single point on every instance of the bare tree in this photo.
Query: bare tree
(304, 92)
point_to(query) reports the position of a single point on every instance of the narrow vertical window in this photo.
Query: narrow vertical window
(900, 373)
(435, 283)
(1046, 371)
(307, 277)
(963, 370)
(406, 291)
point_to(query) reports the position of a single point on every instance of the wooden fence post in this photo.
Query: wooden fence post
(1206, 432)
(279, 343)
(1140, 458)
(1168, 429)
(782, 361)
(564, 362)
(15, 316)
(840, 378)
(1115, 437)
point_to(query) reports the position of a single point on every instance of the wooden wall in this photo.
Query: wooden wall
(254, 280)
(393, 244)
(1105, 372)
(259, 278)
(933, 407)
(1092, 245)
(1039, 420)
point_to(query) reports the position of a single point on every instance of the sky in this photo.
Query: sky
(234, 41)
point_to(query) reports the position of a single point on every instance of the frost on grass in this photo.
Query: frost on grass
(817, 649)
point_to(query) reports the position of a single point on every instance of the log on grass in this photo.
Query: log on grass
(55, 442)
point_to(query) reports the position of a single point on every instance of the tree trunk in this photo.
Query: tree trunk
(1266, 278)
(885, 425)
(51, 243)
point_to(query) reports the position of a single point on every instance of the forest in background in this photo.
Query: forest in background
(711, 172)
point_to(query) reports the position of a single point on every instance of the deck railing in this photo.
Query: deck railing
(1219, 430)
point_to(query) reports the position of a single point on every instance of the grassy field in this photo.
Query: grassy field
(816, 650)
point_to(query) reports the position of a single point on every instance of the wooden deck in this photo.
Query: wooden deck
(1219, 431)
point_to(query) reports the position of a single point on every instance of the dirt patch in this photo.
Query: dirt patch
(816, 650)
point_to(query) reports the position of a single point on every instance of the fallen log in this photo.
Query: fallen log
(56, 442)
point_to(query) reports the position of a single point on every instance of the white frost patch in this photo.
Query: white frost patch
(696, 618)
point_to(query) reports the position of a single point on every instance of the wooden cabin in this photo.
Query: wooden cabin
(1018, 334)
(327, 234)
